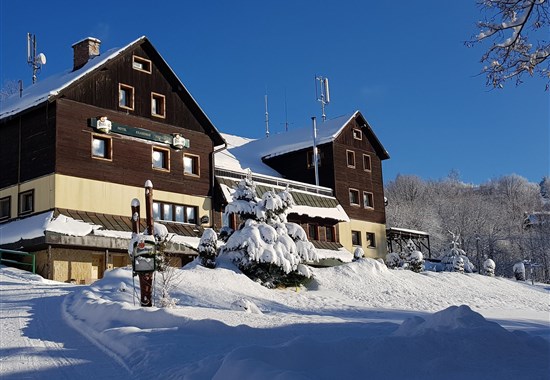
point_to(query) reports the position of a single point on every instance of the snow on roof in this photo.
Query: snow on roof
(51, 86)
(243, 153)
(37, 225)
(336, 212)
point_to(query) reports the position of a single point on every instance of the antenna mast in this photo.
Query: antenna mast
(323, 95)
(34, 60)
(266, 117)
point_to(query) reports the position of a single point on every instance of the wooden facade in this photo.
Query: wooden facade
(335, 173)
(52, 141)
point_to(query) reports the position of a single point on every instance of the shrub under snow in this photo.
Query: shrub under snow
(489, 267)
(207, 248)
(266, 247)
(519, 271)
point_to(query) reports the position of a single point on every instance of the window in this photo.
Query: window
(355, 237)
(357, 134)
(141, 64)
(101, 147)
(125, 96)
(5, 208)
(310, 162)
(354, 197)
(26, 202)
(368, 200)
(161, 159)
(350, 158)
(174, 212)
(366, 163)
(371, 240)
(158, 105)
(191, 165)
(312, 231)
(330, 233)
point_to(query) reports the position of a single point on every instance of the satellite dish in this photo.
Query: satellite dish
(41, 59)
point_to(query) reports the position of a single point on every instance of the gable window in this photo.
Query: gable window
(310, 162)
(101, 147)
(366, 163)
(174, 212)
(371, 240)
(158, 105)
(161, 158)
(125, 96)
(141, 64)
(191, 165)
(354, 197)
(350, 156)
(5, 208)
(312, 231)
(356, 237)
(368, 199)
(26, 202)
(357, 134)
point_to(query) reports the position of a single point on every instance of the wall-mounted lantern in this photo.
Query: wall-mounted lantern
(103, 124)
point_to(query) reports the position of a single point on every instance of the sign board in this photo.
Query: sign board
(144, 257)
(142, 133)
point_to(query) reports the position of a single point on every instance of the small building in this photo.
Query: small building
(81, 144)
(349, 173)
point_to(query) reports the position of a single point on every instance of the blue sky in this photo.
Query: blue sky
(402, 63)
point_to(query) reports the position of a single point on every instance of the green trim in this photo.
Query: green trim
(19, 253)
(140, 133)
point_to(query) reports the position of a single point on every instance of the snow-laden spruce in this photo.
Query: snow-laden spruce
(208, 248)
(266, 246)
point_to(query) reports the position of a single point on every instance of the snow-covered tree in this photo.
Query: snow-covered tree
(455, 260)
(208, 248)
(545, 190)
(266, 247)
(166, 279)
(393, 260)
(518, 30)
(489, 267)
(358, 254)
(519, 271)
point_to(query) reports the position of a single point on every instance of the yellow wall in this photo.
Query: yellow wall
(44, 194)
(110, 198)
(379, 231)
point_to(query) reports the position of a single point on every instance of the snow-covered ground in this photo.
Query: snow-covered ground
(356, 321)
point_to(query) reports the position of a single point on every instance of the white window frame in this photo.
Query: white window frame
(366, 196)
(370, 162)
(129, 91)
(144, 62)
(166, 158)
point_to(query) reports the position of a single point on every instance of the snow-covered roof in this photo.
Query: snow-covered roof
(50, 87)
(243, 153)
(307, 203)
(36, 226)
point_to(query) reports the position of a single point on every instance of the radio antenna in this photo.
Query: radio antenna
(322, 94)
(34, 60)
(266, 116)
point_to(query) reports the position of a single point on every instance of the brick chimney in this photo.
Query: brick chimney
(84, 50)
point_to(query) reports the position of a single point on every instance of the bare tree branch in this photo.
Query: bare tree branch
(518, 30)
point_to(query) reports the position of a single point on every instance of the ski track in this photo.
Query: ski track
(45, 348)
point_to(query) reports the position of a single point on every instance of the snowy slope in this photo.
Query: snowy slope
(359, 320)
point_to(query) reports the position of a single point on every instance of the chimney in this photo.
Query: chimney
(84, 50)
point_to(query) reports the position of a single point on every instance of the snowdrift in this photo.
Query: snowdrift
(357, 320)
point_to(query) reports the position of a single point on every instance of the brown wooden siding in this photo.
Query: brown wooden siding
(131, 162)
(293, 165)
(357, 178)
(30, 135)
(100, 89)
